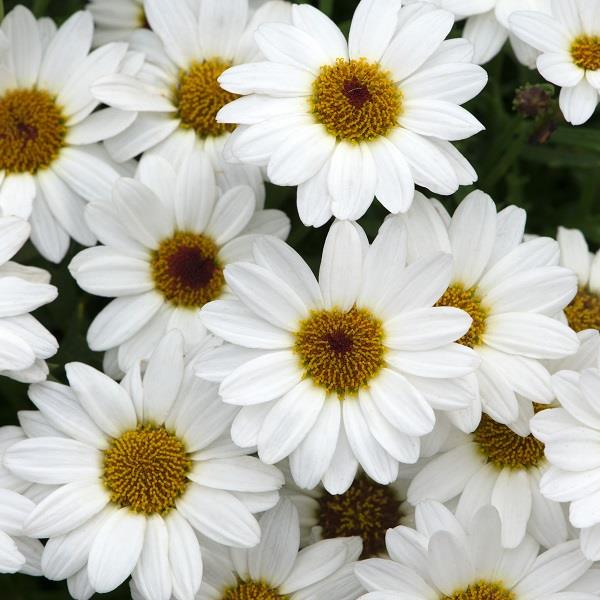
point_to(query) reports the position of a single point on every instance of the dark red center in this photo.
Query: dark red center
(356, 92)
(339, 342)
(191, 268)
(28, 132)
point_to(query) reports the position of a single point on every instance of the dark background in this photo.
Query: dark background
(557, 180)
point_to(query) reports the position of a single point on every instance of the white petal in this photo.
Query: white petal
(219, 516)
(116, 550)
(373, 25)
(104, 400)
(289, 421)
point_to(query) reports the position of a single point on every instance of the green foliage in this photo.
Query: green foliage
(557, 182)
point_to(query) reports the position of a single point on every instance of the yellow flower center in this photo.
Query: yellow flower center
(252, 590)
(367, 509)
(504, 448)
(341, 351)
(584, 311)
(186, 270)
(32, 131)
(585, 51)
(146, 470)
(199, 97)
(356, 100)
(469, 301)
(483, 590)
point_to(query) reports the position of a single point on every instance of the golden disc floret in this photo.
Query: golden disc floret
(199, 97)
(340, 350)
(252, 590)
(367, 509)
(186, 270)
(504, 448)
(584, 311)
(146, 469)
(32, 130)
(585, 51)
(483, 590)
(469, 301)
(356, 100)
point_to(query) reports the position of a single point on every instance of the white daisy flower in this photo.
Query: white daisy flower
(24, 342)
(116, 20)
(277, 570)
(346, 121)
(176, 94)
(569, 42)
(50, 162)
(584, 310)
(571, 435)
(487, 26)
(502, 467)
(512, 290)
(167, 237)
(343, 370)
(138, 467)
(443, 559)
(366, 510)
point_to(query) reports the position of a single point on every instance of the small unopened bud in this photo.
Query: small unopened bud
(533, 101)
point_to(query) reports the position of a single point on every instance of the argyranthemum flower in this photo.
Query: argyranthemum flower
(569, 42)
(487, 27)
(366, 510)
(342, 371)
(444, 560)
(277, 570)
(24, 341)
(176, 93)
(167, 237)
(138, 467)
(512, 290)
(571, 435)
(50, 163)
(584, 310)
(346, 121)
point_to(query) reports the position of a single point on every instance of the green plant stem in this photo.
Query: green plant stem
(509, 147)
(1, 9)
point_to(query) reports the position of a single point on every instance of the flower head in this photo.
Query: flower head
(343, 370)
(50, 160)
(136, 469)
(349, 120)
(569, 44)
(513, 290)
(167, 235)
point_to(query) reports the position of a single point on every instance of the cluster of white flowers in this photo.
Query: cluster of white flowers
(420, 421)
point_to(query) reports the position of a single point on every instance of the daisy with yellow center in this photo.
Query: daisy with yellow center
(583, 312)
(175, 97)
(343, 370)
(350, 120)
(366, 510)
(167, 238)
(277, 569)
(136, 469)
(494, 465)
(569, 43)
(51, 162)
(513, 291)
(449, 559)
